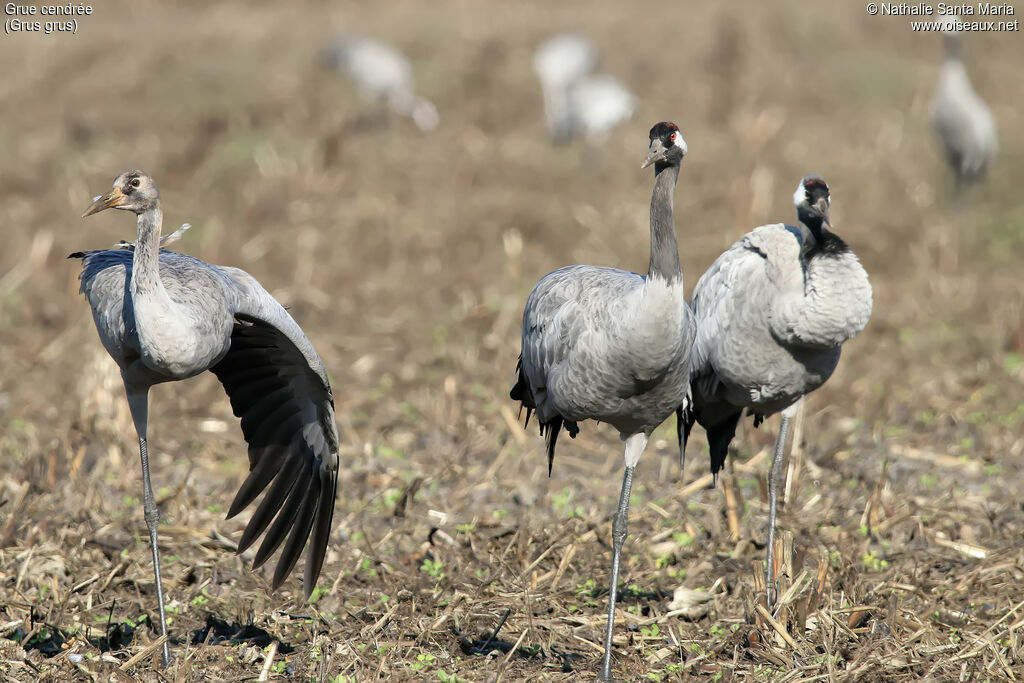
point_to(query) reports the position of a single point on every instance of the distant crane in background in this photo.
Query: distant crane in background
(382, 74)
(577, 103)
(772, 313)
(961, 118)
(610, 345)
(165, 316)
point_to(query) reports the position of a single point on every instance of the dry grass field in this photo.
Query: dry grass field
(407, 258)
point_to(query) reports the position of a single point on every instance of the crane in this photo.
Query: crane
(577, 102)
(772, 314)
(381, 72)
(613, 346)
(164, 316)
(962, 120)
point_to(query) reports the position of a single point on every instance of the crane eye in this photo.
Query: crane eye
(135, 182)
(673, 137)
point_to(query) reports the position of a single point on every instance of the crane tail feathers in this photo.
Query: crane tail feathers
(684, 423)
(522, 392)
(719, 437)
(551, 428)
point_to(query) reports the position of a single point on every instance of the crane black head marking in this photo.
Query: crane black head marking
(810, 193)
(663, 129)
(815, 188)
(667, 145)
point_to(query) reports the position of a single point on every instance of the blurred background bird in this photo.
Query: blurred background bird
(962, 120)
(577, 102)
(382, 74)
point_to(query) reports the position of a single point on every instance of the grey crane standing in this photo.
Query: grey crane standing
(772, 314)
(614, 346)
(961, 118)
(165, 316)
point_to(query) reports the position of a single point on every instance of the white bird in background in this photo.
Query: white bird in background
(614, 346)
(382, 73)
(577, 103)
(962, 120)
(164, 316)
(772, 314)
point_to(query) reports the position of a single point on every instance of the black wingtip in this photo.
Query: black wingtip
(292, 462)
(77, 254)
(272, 502)
(321, 534)
(292, 510)
(300, 524)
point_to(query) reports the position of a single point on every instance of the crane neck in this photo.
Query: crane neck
(818, 240)
(811, 225)
(664, 249)
(146, 261)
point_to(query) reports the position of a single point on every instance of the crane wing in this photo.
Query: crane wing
(279, 388)
(714, 304)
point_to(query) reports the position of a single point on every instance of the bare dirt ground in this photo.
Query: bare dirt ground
(407, 258)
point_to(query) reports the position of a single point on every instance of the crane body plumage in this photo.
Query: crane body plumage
(610, 345)
(606, 344)
(772, 313)
(162, 339)
(165, 316)
(768, 333)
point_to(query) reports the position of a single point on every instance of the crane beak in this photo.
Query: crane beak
(110, 200)
(822, 206)
(656, 153)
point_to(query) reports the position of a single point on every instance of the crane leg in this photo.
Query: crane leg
(635, 445)
(774, 481)
(138, 402)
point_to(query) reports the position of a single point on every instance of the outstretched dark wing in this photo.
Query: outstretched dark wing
(279, 388)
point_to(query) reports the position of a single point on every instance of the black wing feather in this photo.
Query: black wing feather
(286, 411)
(288, 512)
(521, 392)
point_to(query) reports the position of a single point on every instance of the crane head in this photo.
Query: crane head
(667, 145)
(812, 200)
(133, 191)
